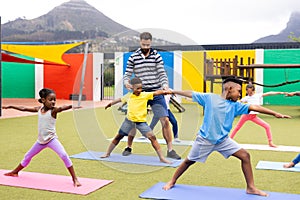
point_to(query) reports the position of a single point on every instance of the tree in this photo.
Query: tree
(293, 37)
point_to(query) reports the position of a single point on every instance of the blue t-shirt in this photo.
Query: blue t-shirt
(219, 114)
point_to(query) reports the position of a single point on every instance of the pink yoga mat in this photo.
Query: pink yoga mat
(50, 182)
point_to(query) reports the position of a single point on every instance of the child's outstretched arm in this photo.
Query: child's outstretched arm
(62, 108)
(267, 111)
(293, 94)
(65, 107)
(22, 108)
(113, 103)
(273, 93)
(163, 92)
(187, 93)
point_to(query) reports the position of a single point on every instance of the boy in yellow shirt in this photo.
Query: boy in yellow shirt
(136, 117)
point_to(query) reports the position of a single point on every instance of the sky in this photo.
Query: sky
(188, 22)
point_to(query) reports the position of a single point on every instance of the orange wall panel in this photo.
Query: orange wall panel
(65, 80)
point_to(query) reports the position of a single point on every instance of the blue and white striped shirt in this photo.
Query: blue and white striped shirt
(149, 69)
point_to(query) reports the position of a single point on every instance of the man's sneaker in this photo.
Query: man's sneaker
(177, 140)
(127, 151)
(173, 154)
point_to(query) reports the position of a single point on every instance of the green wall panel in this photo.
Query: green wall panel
(278, 76)
(18, 80)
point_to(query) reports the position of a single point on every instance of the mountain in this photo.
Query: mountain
(74, 20)
(73, 17)
(293, 26)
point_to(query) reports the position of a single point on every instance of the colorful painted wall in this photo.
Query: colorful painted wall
(168, 58)
(192, 71)
(18, 79)
(188, 70)
(66, 80)
(25, 80)
(278, 76)
(185, 70)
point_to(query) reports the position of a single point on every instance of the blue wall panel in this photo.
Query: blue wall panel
(168, 58)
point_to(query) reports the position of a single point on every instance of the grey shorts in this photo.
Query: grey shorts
(127, 125)
(202, 148)
(159, 106)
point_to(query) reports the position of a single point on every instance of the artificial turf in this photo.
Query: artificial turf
(88, 129)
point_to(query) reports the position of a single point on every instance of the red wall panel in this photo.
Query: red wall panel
(65, 80)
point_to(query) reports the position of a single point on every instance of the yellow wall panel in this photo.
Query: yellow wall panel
(192, 70)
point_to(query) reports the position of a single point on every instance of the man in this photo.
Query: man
(147, 64)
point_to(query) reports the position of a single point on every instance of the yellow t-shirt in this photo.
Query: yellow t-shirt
(137, 106)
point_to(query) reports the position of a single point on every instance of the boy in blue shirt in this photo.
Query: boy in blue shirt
(219, 113)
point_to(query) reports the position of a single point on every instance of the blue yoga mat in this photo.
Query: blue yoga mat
(160, 141)
(276, 166)
(131, 159)
(191, 192)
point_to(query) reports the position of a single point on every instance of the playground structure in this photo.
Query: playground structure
(215, 71)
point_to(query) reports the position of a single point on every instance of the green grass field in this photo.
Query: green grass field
(89, 128)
